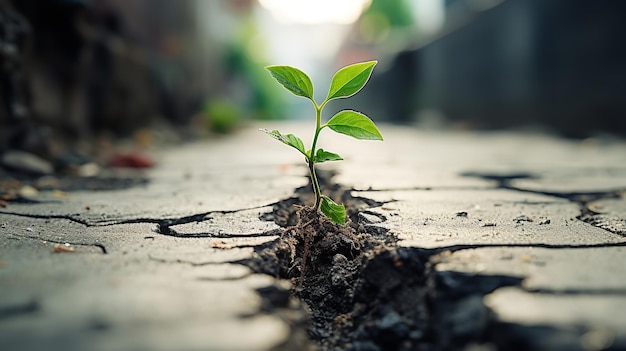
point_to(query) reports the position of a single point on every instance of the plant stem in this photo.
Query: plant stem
(316, 186)
(314, 181)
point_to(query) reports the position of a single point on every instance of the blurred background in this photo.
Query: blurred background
(78, 74)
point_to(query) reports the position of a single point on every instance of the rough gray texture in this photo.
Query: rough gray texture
(152, 266)
(549, 211)
(126, 286)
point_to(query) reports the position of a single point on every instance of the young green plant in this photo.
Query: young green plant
(346, 82)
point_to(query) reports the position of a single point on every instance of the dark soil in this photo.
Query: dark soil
(362, 292)
(354, 301)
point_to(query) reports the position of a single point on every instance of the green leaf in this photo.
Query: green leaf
(322, 156)
(288, 139)
(293, 80)
(350, 79)
(332, 210)
(354, 124)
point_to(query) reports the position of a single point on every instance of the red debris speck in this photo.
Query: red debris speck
(133, 159)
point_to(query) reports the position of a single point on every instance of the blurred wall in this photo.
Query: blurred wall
(81, 68)
(85, 73)
(84, 68)
(557, 63)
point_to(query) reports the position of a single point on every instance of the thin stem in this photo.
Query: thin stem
(316, 186)
(314, 181)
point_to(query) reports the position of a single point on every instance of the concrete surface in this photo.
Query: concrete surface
(548, 210)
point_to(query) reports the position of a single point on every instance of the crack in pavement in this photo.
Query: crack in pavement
(28, 307)
(223, 279)
(98, 245)
(458, 247)
(49, 216)
(178, 260)
(380, 308)
(582, 199)
(612, 224)
(191, 263)
(576, 292)
(396, 300)
(173, 233)
(163, 224)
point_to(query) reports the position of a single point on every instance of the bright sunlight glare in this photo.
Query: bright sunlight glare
(313, 12)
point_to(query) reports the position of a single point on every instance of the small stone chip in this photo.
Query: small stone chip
(522, 218)
(369, 218)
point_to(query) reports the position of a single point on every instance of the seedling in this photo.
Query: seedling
(346, 82)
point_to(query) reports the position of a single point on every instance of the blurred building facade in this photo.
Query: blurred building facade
(74, 69)
(497, 64)
(82, 67)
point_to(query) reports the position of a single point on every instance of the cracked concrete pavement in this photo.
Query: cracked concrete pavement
(153, 266)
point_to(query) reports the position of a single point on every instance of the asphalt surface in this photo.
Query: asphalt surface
(153, 267)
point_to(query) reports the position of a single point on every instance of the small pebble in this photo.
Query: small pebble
(28, 191)
(26, 162)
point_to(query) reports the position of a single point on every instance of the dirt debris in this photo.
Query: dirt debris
(325, 262)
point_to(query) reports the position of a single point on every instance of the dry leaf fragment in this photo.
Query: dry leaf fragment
(63, 248)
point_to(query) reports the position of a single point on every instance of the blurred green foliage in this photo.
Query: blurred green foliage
(244, 61)
(221, 116)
